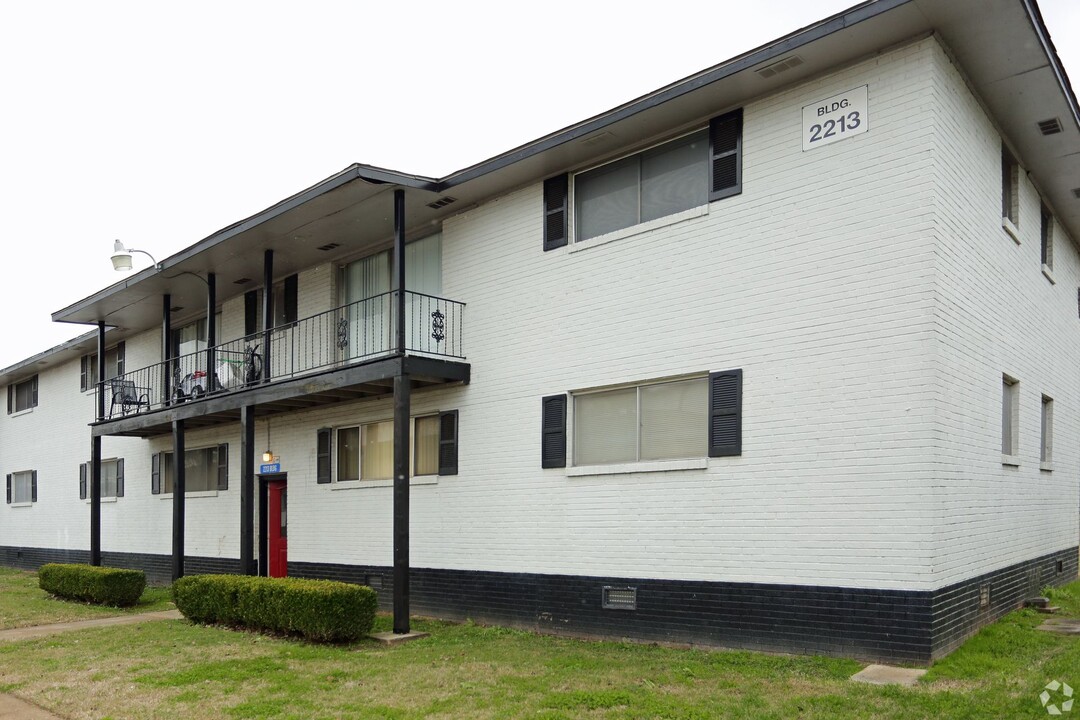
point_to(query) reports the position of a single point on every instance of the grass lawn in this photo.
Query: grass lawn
(174, 669)
(23, 604)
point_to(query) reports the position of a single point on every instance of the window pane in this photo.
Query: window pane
(605, 427)
(674, 177)
(1006, 418)
(674, 420)
(108, 479)
(377, 451)
(112, 358)
(201, 470)
(606, 199)
(24, 395)
(21, 487)
(348, 454)
(166, 474)
(426, 452)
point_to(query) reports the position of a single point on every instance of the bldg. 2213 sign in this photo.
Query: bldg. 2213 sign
(835, 119)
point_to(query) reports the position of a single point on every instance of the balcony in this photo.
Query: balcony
(346, 353)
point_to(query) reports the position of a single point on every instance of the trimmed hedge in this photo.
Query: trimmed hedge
(92, 584)
(319, 610)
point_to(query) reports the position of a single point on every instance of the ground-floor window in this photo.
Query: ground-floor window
(366, 452)
(203, 469)
(657, 421)
(21, 487)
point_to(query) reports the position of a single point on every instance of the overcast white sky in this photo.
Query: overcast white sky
(161, 123)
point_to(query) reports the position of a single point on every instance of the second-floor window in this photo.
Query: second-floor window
(23, 395)
(652, 184)
(114, 367)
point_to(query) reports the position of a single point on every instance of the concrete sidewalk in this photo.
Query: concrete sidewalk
(34, 631)
(11, 707)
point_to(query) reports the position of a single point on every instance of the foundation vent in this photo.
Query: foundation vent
(328, 247)
(619, 598)
(441, 202)
(1050, 127)
(791, 61)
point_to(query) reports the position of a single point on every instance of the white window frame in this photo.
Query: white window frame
(637, 465)
(639, 227)
(187, 493)
(29, 474)
(1046, 449)
(1010, 407)
(337, 483)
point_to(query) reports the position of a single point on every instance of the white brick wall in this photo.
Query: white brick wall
(996, 313)
(865, 288)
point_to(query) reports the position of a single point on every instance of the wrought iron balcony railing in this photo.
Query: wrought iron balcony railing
(349, 334)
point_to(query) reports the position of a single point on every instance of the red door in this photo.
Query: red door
(277, 528)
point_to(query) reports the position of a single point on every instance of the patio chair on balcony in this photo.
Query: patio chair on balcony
(128, 396)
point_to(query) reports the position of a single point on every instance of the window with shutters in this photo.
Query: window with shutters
(366, 452)
(286, 301)
(1046, 241)
(656, 421)
(22, 488)
(23, 396)
(205, 470)
(662, 182)
(1010, 420)
(1010, 193)
(114, 367)
(112, 479)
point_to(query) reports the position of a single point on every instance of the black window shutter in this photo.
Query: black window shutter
(120, 351)
(33, 386)
(223, 467)
(556, 216)
(322, 463)
(725, 413)
(120, 478)
(84, 377)
(725, 168)
(83, 468)
(155, 474)
(33, 486)
(292, 285)
(9, 487)
(448, 442)
(11, 397)
(251, 312)
(553, 440)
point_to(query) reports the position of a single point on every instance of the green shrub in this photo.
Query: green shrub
(88, 583)
(319, 610)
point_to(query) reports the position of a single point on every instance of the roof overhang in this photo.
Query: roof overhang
(1002, 45)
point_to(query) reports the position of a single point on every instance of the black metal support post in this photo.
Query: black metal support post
(211, 331)
(178, 499)
(399, 270)
(166, 348)
(268, 309)
(402, 392)
(95, 454)
(247, 490)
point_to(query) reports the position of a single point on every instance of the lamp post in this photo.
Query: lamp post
(121, 260)
(121, 257)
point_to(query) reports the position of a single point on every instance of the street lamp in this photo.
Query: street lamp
(121, 257)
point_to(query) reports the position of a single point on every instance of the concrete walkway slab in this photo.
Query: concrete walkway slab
(35, 631)
(12, 708)
(1061, 626)
(888, 675)
(391, 639)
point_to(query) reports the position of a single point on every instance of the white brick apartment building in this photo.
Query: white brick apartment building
(779, 356)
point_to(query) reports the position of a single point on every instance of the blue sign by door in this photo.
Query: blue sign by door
(270, 469)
